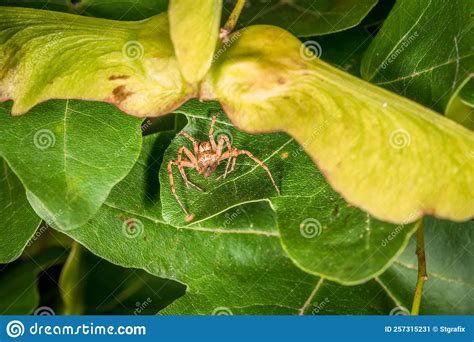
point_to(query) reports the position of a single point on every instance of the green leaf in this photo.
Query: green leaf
(319, 230)
(374, 20)
(305, 18)
(90, 285)
(94, 59)
(117, 9)
(121, 9)
(342, 49)
(249, 183)
(467, 92)
(287, 81)
(44, 238)
(385, 154)
(19, 293)
(194, 28)
(325, 298)
(226, 266)
(449, 289)
(62, 163)
(226, 263)
(423, 51)
(19, 221)
(325, 236)
(461, 106)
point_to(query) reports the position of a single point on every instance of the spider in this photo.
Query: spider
(205, 159)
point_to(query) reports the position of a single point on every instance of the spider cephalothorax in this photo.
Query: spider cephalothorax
(205, 159)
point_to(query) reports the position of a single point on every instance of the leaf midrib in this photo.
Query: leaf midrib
(436, 275)
(399, 41)
(418, 73)
(201, 229)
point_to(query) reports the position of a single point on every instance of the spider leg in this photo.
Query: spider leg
(190, 138)
(233, 165)
(173, 189)
(229, 154)
(224, 139)
(231, 157)
(182, 163)
(211, 133)
(259, 162)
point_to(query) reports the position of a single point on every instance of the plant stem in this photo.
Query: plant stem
(422, 276)
(233, 18)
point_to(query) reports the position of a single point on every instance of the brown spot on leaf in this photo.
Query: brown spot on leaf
(284, 155)
(118, 77)
(430, 211)
(123, 218)
(129, 222)
(121, 93)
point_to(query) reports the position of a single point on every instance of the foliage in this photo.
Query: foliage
(338, 240)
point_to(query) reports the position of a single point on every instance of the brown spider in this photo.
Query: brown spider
(205, 159)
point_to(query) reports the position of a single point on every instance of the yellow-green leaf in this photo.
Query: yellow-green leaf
(194, 27)
(383, 153)
(130, 64)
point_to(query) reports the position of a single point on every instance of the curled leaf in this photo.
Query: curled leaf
(194, 27)
(129, 64)
(384, 153)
